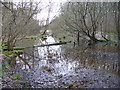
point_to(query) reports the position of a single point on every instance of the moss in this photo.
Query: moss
(39, 35)
(70, 85)
(31, 37)
(19, 47)
(12, 52)
(16, 76)
(34, 36)
(110, 41)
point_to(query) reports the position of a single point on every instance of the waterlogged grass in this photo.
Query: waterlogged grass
(110, 41)
(3, 46)
(16, 76)
(19, 47)
(113, 34)
(12, 52)
(34, 37)
(30, 37)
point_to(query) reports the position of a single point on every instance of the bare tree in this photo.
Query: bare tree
(115, 11)
(118, 30)
(18, 21)
(84, 18)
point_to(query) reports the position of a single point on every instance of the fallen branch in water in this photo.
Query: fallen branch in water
(24, 60)
(60, 43)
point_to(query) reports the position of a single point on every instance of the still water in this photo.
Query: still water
(52, 62)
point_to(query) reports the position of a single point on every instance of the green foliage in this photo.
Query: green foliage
(70, 85)
(16, 76)
(5, 66)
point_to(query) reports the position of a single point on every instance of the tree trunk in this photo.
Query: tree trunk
(78, 37)
(92, 37)
(9, 46)
(118, 29)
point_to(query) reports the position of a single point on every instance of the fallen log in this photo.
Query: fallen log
(60, 43)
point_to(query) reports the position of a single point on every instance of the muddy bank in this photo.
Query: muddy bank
(82, 78)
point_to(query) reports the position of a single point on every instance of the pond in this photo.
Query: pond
(95, 66)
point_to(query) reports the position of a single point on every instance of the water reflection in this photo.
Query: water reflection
(49, 40)
(66, 60)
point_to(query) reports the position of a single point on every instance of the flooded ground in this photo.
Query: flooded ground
(83, 66)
